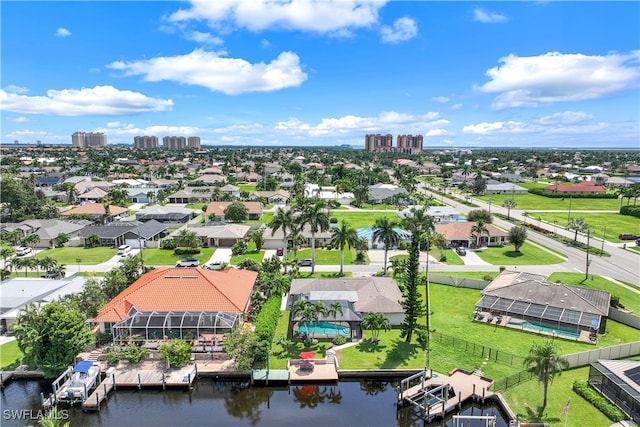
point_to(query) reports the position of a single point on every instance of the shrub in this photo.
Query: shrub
(135, 354)
(333, 220)
(249, 264)
(186, 251)
(239, 248)
(487, 277)
(178, 352)
(168, 244)
(502, 268)
(114, 355)
(443, 258)
(596, 399)
(360, 258)
(630, 210)
(402, 245)
(104, 338)
(267, 319)
(339, 340)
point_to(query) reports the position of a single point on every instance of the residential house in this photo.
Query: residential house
(276, 240)
(95, 195)
(217, 209)
(201, 302)
(132, 233)
(191, 195)
(166, 214)
(440, 214)
(232, 190)
(584, 187)
(221, 236)
(276, 198)
(497, 187)
(460, 234)
(328, 193)
(46, 229)
(96, 211)
(208, 181)
(388, 193)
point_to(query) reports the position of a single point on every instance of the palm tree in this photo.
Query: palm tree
(344, 235)
(545, 361)
(306, 312)
(92, 240)
(316, 215)
(283, 220)
(478, 229)
(333, 310)
(31, 240)
(5, 253)
(375, 322)
(578, 225)
(189, 239)
(257, 237)
(47, 263)
(440, 242)
(17, 263)
(12, 237)
(384, 231)
(509, 204)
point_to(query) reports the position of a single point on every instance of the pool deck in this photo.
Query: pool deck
(505, 322)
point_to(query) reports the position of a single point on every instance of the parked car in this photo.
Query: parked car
(188, 262)
(214, 265)
(627, 236)
(280, 251)
(22, 251)
(638, 242)
(461, 251)
(54, 275)
(124, 250)
(307, 262)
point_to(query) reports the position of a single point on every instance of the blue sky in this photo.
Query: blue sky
(311, 73)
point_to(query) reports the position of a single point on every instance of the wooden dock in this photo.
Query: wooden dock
(155, 378)
(100, 393)
(440, 394)
(324, 370)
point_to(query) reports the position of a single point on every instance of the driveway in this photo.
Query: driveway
(472, 258)
(221, 255)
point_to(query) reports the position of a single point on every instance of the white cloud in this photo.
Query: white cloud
(556, 77)
(403, 29)
(204, 38)
(20, 120)
(456, 106)
(63, 32)
(481, 15)
(16, 89)
(441, 99)
(99, 100)
(496, 127)
(217, 73)
(437, 132)
(320, 16)
(566, 118)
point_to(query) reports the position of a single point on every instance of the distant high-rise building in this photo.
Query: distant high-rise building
(146, 142)
(88, 139)
(378, 142)
(194, 142)
(174, 142)
(409, 143)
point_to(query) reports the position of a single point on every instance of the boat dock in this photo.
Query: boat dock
(155, 378)
(99, 394)
(437, 394)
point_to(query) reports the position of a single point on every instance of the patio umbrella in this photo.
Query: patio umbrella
(307, 355)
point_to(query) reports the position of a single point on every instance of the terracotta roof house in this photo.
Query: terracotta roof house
(94, 195)
(175, 302)
(460, 234)
(357, 295)
(579, 188)
(96, 210)
(529, 302)
(217, 209)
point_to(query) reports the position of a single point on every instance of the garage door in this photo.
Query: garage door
(226, 243)
(134, 243)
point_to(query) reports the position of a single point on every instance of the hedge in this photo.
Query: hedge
(630, 210)
(267, 319)
(554, 195)
(186, 251)
(596, 399)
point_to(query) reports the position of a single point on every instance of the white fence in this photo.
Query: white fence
(614, 352)
(460, 282)
(624, 317)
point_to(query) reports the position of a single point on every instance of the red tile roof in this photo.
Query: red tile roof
(183, 289)
(580, 187)
(219, 207)
(95, 209)
(462, 230)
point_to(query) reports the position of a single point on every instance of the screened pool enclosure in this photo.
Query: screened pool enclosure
(182, 325)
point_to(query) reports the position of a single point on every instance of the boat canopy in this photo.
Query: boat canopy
(83, 366)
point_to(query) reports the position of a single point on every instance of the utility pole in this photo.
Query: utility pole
(569, 218)
(604, 233)
(586, 276)
(428, 306)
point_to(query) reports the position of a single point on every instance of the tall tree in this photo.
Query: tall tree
(316, 215)
(517, 236)
(5, 253)
(478, 229)
(92, 240)
(509, 204)
(236, 212)
(283, 220)
(375, 322)
(30, 240)
(578, 225)
(384, 231)
(344, 236)
(545, 362)
(257, 237)
(189, 239)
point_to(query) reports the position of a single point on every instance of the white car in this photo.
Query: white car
(214, 265)
(124, 250)
(22, 251)
(188, 262)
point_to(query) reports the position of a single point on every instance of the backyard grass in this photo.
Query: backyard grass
(247, 187)
(616, 224)
(526, 400)
(480, 275)
(362, 219)
(197, 206)
(379, 207)
(156, 256)
(279, 356)
(10, 355)
(628, 298)
(87, 256)
(325, 256)
(528, 255)
(540, 203)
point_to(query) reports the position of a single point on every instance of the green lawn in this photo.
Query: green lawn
(616, 224)
(452, 256)
(321, 275)
(254, 255)
(526, 400)
(379, 207)
(87, 256)
(534, 202)
(628, 298)
(363, 219)
(197, 206)
(10, 355)
(528, 255)
(480, 275)
(157, 256)
(247, 187)
(324, 256)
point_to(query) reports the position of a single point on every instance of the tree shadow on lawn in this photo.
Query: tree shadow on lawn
(538, 416)
(512, 254)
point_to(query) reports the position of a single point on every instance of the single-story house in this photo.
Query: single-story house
(584, 187)
(277, 198)
(328, 193)
(96, 210)
(141, 194)
(618, 381)
(48, 181)
(94, 195)
(529, 302)
(166, 214)
(190, 195)
(460, 234)
(133, 233)
(207, 180)
(200, 302)
(221, 236)
(496, 187)
(359, 296)
(366, 233)
(380, 193)
(218, 208)
(277, 239)
(232, 190)
(618, 181)
(440, 214)
(46, 229)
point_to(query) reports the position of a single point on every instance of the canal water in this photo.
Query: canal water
(214, 403)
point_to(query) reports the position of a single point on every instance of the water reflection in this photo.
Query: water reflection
(353, 403)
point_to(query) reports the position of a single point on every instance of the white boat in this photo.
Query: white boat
(82, 378)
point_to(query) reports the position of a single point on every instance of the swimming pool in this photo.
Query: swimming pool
(546, 328)
(323, 328)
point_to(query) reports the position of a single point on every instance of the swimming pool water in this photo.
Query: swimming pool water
(323, 328)
(548, 329)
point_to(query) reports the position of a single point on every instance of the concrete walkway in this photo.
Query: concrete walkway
(221, 255)
(472, 258)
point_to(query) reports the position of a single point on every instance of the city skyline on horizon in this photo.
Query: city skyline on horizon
(324, 73)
